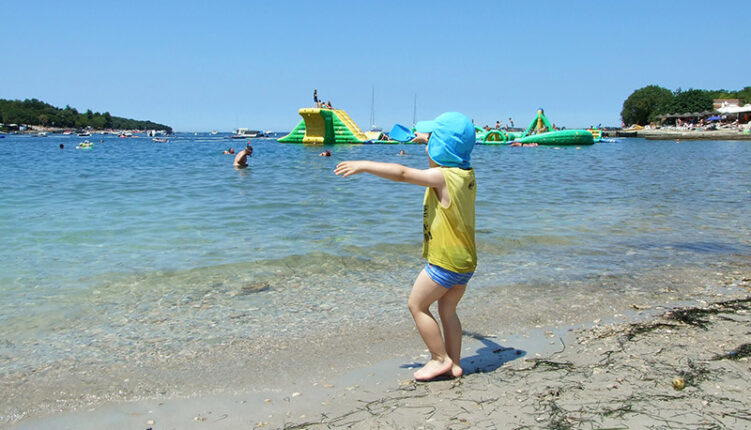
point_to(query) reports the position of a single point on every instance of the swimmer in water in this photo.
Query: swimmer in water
(241, 160)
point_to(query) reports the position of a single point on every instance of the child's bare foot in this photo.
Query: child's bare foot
(432, 369)
(455, 372)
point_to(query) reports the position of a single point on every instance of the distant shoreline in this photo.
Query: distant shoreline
(34, 130)
(649, 134)
(670, 134)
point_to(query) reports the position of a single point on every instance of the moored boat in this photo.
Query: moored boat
(244, 133)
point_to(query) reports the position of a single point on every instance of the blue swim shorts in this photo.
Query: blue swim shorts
(447, 278)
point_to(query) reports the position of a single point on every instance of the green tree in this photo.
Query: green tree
(107, 120)
(690, 101)
(97, 122)
(643, 104)
(36, 112)
(744, 95)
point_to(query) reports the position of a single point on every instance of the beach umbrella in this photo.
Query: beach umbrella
(714, 118)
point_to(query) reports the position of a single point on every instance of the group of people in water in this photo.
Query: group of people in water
(241, 159)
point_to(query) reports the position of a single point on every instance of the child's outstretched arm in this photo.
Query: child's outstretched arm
(432, 177)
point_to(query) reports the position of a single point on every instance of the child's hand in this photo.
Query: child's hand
(421, 138)
(348, 168)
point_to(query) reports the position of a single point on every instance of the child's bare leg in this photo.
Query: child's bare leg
(424, 293)
(452, 327)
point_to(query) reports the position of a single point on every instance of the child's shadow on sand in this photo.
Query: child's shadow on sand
(486, 359)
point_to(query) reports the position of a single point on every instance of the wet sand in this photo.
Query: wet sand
(602, 372)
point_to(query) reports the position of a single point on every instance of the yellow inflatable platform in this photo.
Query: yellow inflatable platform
(325, 126)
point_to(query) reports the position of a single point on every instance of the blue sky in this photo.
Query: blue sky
(205, 65)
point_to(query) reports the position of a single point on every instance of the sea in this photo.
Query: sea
(136, 254)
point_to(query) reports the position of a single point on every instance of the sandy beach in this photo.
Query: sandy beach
(681, 365)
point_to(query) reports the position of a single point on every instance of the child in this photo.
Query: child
(448, 233)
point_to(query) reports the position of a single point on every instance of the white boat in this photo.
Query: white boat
(214, 132)
(84, 134)
(244, 133)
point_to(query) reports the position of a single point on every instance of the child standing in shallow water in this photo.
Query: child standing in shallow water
(448, 233)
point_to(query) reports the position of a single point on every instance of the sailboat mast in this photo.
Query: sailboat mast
(414, 112)
(372, 108)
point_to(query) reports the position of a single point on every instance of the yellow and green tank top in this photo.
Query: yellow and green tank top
(449, 232)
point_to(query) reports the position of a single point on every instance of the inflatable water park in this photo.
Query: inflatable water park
(540, 132)
(322, 126)
(329, 126)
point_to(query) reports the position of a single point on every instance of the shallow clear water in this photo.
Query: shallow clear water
(136, 243)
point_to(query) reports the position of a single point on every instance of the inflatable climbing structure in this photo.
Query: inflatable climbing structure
(327, 126)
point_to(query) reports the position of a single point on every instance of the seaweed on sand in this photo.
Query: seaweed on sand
(698, 316)
(736, 354)
(646, 327)
(546, 365)
(694, 316)
(695, 374)
(559, 418)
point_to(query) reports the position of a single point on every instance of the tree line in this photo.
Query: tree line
(646, 104)
(36, 112)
